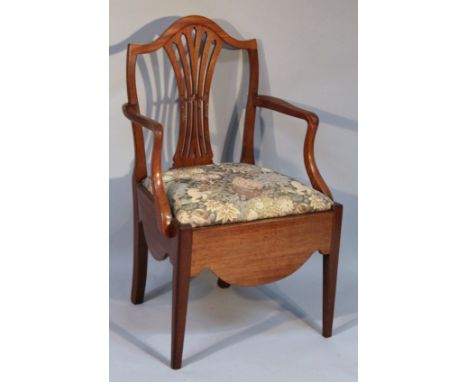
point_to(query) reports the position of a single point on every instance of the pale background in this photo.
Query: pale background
(308, 55)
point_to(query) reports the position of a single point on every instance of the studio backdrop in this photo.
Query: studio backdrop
(308, 56)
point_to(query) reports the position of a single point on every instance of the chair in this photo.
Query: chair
(247, 224)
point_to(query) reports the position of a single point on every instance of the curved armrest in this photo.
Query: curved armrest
(277, 104)
(163, 210)
(281, 106)
(134, 115)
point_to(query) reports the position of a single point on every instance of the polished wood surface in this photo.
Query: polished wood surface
(248, 253)
(330, 271)
(194, 81)
(162, 208)
(265, 250)
(140, 264)
(180, 293)
(247, 155)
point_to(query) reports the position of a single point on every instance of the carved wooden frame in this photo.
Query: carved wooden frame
(249, 253)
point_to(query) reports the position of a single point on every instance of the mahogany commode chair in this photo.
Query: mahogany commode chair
(247, 224)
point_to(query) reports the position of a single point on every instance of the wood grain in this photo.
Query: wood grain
(262, 251)
(193, 53)
(180, 294)
(159, 244)
(247, 155)
(161, 204)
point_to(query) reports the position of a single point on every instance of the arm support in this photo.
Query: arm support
(163, 210)
(312, 120)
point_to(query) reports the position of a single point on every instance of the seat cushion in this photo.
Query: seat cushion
(236, 192)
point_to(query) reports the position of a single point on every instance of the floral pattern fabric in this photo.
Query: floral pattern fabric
(236, 192)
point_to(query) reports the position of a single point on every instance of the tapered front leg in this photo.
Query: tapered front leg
(140, 262)
(180, 294)
(330, 268)
(330, 271)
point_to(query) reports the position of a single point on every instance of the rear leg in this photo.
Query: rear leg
(140, 263)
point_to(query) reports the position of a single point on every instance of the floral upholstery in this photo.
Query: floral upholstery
(236, 192)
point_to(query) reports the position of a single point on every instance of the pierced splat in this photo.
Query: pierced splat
(193, 53)
(193, 45)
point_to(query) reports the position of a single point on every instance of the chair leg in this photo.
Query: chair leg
(140, 263)
(223, 284)
(330, 268)
(330, 271)
(180, 294)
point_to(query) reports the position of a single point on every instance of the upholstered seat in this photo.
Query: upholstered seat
(236, 192)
